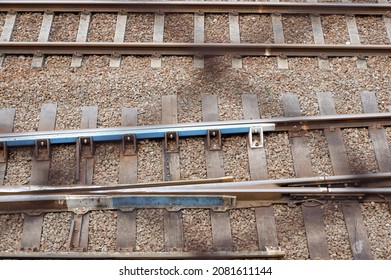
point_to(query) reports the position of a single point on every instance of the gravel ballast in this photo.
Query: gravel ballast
(27, 27)
(64, 27)
(136, 85)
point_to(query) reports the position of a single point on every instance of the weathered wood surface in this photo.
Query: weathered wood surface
(313, 219)
(7, 117)
(32, 225)
(340, 164)
(82, 32)
(173, 227)
(126, 221)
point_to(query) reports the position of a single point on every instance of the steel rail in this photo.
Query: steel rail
(195, 7)
(80, 189)
(290, 124)
(140, 132)
(216, 195)
(189, 49)
(218, 198)
(268, 253)
(363, 180)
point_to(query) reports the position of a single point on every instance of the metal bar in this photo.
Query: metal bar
(192, 7)
(349, 182)
(118, 200)
(133, 184)
(81, 204)
(146, 132)
(205, 49)
(216, 198)
(145, 255)
(295, 124)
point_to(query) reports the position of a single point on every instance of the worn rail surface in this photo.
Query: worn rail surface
(195, 7)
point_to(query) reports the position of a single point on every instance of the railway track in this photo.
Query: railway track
(217, 195)
(181, 207)
(198, 48)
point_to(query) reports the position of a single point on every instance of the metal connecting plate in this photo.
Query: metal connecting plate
(42, 149)
(255, 137)
(171, 142)
(213, 140)
(129, 144)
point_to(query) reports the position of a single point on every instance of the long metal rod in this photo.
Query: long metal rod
(144, 255)
(116, 134)
(291, 185)
(195, 7)
(80, 189)
(295, 124)
(218, 196)
(190, 49)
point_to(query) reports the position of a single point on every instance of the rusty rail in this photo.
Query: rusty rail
(195, 7)
(190, 49)
(268, 253)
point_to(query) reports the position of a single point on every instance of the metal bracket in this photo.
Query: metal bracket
(213, 139)
(171, 142)
(3, 152)
(86, 146)
(255, 137)
(74, 243)
(42, 149)
(129, 145)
